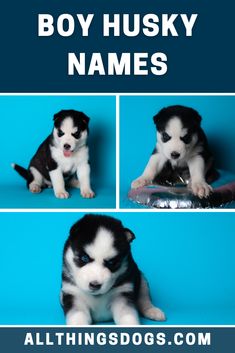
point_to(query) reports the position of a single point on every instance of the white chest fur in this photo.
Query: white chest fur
(99, 306)
(70, 164)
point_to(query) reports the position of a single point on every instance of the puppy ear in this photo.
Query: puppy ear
(84, 118)
(129, 235)
(74, 228)
(57, 115)
(197, 117)
(158, 116)
(155, 119)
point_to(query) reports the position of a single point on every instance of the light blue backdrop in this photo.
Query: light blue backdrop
(188, 259)
(138, 132)
(27, 120)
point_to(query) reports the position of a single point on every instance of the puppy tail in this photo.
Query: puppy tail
(22, 171)
(145, 305)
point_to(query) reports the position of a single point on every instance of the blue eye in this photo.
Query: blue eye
(85, 258)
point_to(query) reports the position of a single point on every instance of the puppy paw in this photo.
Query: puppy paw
(77, 319)
(129, 320)
(35, 188)
(140, 182)
(77, 322)
(155, 314)
(62, 194)
(200, 189)
(87, 193)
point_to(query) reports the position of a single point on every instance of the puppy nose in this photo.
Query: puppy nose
(94, 285)
(67, 146)
(175, 154)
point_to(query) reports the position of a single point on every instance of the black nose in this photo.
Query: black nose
(175, 154)
(94, 285)
(67, 146)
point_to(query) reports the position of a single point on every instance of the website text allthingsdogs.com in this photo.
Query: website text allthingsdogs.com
(117, 338)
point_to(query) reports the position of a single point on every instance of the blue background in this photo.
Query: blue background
(188, 259)
(27, 120)
(138, 132)
(201, 63)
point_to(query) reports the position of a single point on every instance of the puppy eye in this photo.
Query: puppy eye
(186, 139)
(109, 262)
(84, 258)
(81, 259)
(165, 137)
(60, 133)
(112, 264)
(76, 135)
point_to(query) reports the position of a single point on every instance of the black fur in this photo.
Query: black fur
(189, 117)
(80, 119)
(22, 171)
(67, 302)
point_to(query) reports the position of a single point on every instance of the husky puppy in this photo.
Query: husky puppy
(100, 279)
(181, 152)
(63, 155)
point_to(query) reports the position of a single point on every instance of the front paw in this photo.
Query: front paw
(200, 189)
(62, 194)
(140, 182)
(87, 193)
(129, 320)
(77, 319)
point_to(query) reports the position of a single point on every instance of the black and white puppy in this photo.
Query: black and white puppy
(100, 279)
(181, 150)
(63, 155)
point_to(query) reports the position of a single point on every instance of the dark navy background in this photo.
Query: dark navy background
(222, 340)
(201, 63)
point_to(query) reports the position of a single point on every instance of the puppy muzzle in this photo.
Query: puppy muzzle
(67, 150)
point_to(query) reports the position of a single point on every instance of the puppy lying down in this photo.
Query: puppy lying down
(100, 279)
(181, 151)
(62, 157)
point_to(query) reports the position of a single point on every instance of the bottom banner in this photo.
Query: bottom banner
(113, 338)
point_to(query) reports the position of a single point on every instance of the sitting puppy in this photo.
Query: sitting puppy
(63, 155)
(100, 279)
(181, 152)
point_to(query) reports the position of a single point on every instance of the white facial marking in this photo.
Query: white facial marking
(96, 271)
(102, 248)
(175, 130)
(68, 128)
(175, 127)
